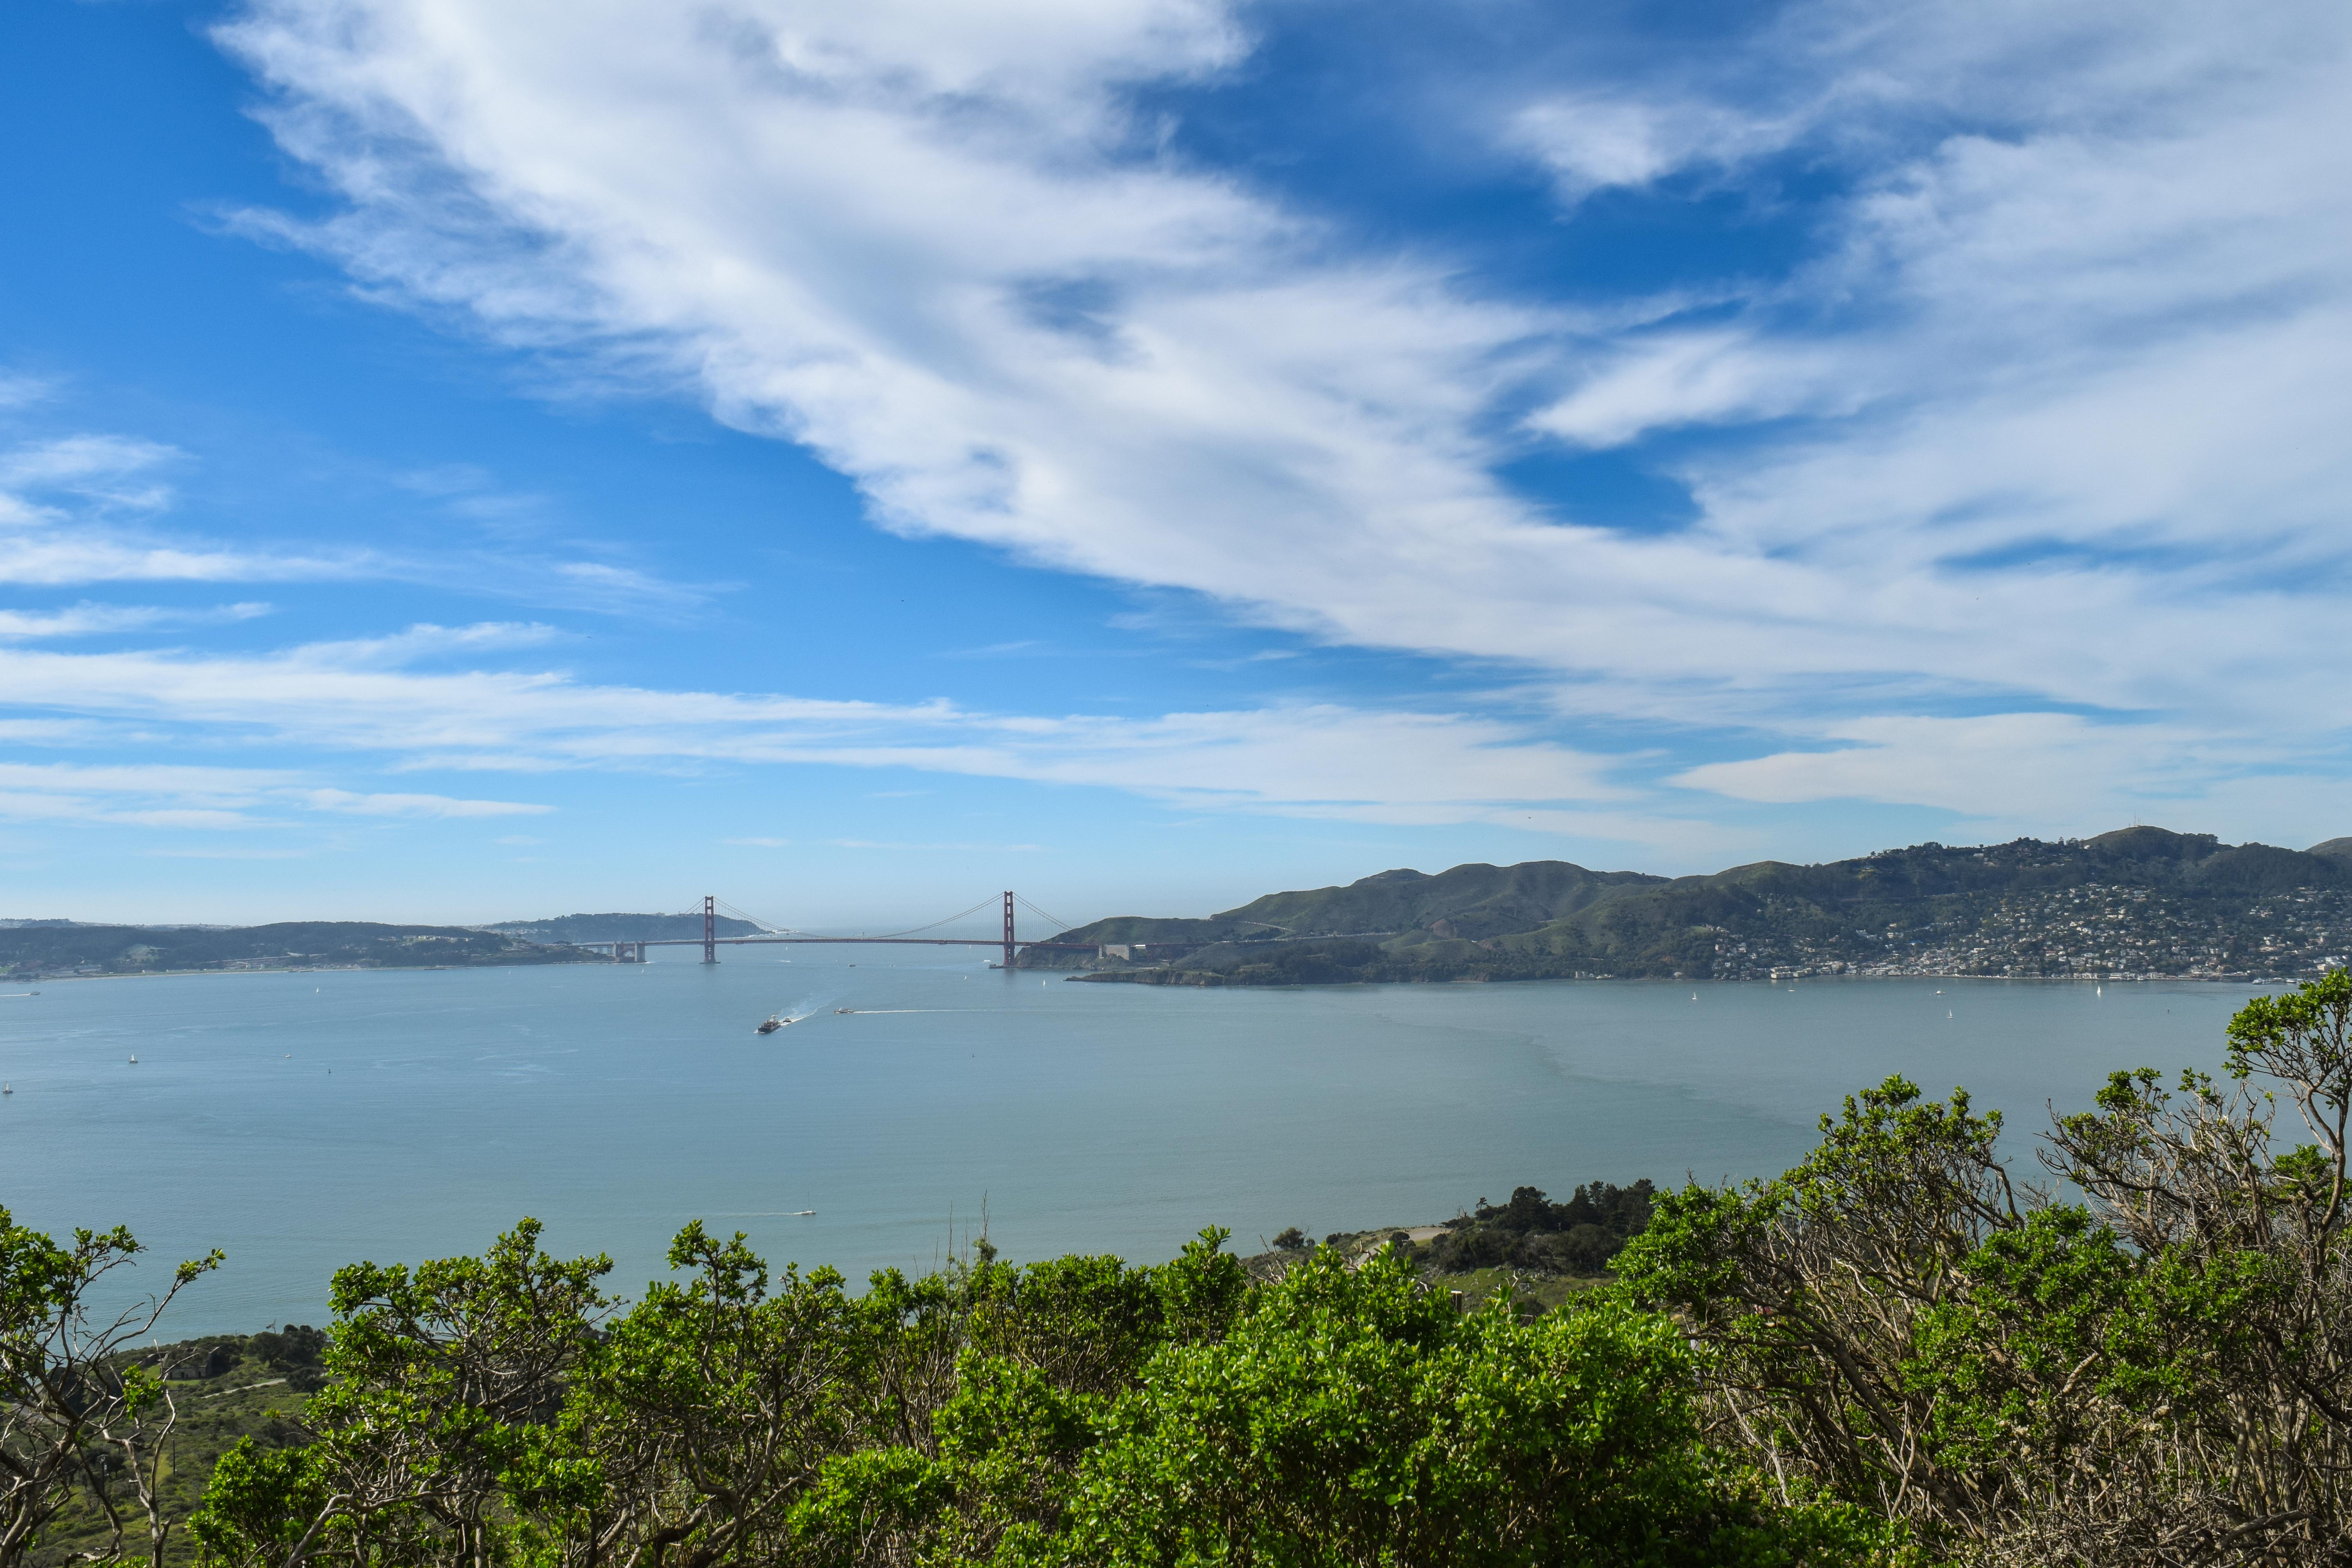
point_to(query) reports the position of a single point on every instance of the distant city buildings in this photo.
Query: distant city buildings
(2090, 932)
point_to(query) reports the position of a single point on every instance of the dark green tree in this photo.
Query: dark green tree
(2154, 1375)
(445, 1382)
(81, 1413)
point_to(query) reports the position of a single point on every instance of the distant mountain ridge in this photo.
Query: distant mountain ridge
(2141, 902)
(72, 948)
(620, 927)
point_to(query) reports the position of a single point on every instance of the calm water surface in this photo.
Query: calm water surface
(301, 1121)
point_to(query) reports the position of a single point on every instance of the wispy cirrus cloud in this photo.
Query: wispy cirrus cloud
(87, 619)
(173, 796)
(386, 698)
(2041, 418)
(952, 848)
(435, 808)
(82, 509)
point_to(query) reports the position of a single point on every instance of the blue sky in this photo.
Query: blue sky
(473, 458)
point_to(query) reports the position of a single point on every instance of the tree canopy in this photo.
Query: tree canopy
(1900, 1352)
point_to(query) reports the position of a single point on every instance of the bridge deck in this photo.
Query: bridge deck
(869, 940)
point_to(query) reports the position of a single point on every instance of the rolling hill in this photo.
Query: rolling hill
(2140, 901)
(70, 949)
(620, 927)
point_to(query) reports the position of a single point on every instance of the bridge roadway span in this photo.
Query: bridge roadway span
(635, 951)
(710, 942)
(869, 940)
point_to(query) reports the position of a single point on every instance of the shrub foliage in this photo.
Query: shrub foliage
(1902, 1352)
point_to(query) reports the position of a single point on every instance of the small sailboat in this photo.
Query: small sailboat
(7, 1088)
(134, 1061)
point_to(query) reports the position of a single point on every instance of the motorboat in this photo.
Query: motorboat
(771, 1024)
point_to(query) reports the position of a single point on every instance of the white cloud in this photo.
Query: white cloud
(55, 731)
(1591, 141)
(424, 640)
(433, 806)
(973, 848)
(2053, 413)
(63, 503)
(102, 467)
(87, 619)
(169, 796)
(21, 391)
(2047, 774)
(64, 557)
(1674, 378)
(86, 509)
(181, 782)
(2071, 765)
(1300, 759)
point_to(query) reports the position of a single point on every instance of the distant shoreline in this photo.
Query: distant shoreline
(1200, 980)
(1210, 979)
(314, 968)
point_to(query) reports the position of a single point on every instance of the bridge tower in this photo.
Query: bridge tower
(1008, 931)
(709, 929)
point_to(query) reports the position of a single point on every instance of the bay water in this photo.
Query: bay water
(301, 1121)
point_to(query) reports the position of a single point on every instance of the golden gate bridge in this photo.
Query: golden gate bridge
(710, 942)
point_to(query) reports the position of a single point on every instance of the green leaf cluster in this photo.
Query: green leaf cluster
(2155, 1370)
(1895, 1352)
(1079, 1411)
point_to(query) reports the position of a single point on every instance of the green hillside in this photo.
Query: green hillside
(1469, 901)
(57, 950)
(621, 928)
(2138, 902)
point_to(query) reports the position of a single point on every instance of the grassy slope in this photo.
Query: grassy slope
(250, 1398)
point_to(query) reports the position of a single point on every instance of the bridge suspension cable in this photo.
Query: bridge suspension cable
(1054, 920)
(951, 920)
(1051, 918)
(725, 908)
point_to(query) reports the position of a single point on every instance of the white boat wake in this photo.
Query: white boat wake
(877, 1012)
(802, 1013)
